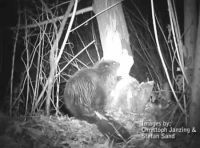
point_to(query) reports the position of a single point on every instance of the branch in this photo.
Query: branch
(53, 20)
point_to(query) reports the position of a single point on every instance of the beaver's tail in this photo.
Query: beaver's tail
(109, 127)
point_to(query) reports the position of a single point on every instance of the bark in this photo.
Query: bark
(114, 34)
(190, 33)
(116, 46)
(195, 99)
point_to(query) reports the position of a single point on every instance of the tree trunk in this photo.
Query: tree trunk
(195, 99)
(114, 34)
(116, 46)
(190, 33)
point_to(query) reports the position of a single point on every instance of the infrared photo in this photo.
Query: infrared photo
(100, 73)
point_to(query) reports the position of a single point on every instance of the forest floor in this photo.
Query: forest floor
(63, 132)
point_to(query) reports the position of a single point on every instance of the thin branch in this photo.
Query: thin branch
(76, 56)
(161, 57)
(58, 36)
(96, 15)
(78, 12)
(175, 36)
(68, 31)
(13, 66)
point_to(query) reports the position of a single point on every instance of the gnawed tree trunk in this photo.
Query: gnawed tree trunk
(195, 99)
(114, 34)
(116, 46)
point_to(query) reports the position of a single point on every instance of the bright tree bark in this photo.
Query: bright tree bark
(116, 46)
(114, 34)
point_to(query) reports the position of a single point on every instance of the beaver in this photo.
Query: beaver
(86, 94)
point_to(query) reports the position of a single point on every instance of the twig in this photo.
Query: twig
(13, 66)
(68, 31)
(75, 56)
(175, 36)
(161, 57)
(96, 15)
(88, 9)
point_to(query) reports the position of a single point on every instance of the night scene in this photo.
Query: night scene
(100, 74)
